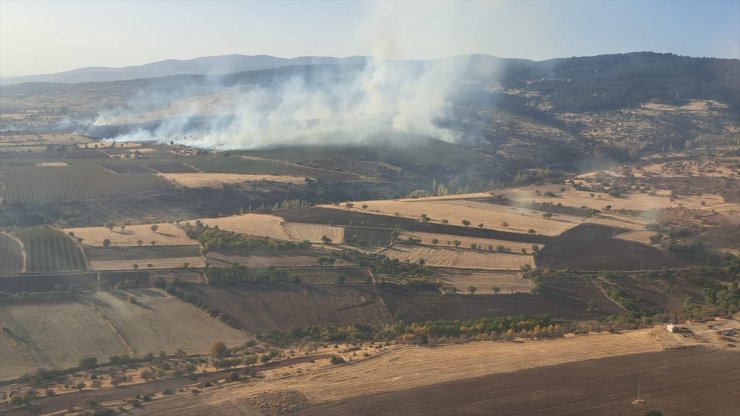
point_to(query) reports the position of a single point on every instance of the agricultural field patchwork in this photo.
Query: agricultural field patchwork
(54, 183)
(49, 250)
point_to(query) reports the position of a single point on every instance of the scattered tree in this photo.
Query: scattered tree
(472, 290)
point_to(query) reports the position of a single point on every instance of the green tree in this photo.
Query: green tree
(496, 290)
(106, 243)
(219, 349)
(435, 241)
(154, 228)
(88, 362)
(472, 290)
(466, 223)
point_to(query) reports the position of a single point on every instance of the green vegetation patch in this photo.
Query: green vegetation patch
(42, 183)
(214, 238)
(49, 250)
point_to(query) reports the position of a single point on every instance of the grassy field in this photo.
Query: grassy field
(11, 260)
(49, 250)
(166, 235)
(51, 183)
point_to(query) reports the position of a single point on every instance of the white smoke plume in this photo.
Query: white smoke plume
(348, 105)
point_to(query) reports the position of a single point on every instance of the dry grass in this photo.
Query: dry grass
(275, 227)
(573, 198)
(407, 367)
(486, 281)
(455, 210)
(13, 362)
(166, 235)
(458, 258)
(639, 236)
(53, 164)
(164, 263)
(445, 240)
(261, 260)
(158, 321)
(216, 180)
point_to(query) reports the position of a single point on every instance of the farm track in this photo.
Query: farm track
(46, 405)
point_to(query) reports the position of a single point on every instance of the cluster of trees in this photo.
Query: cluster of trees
(499, 327)
(214, 238)
(241, 274)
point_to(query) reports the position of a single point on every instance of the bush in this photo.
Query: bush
(335, 359)
(88, 362)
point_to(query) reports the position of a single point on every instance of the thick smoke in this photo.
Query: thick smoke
(343, 104)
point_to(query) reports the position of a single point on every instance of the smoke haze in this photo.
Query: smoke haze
(339, 104)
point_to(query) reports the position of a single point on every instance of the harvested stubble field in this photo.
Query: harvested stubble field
(158, 321)
(50, 250)
(166, 235)
(123, 258)
(573, 198)
(458, 257)
(485, 281)
(13, 361)
(456, 210)
(445, 240)
(160, 263)
(275, 227)
(639, 236)
(513, 378)
(570, 302)
(11, 260)
(48, 183)
(591, 247)
(217, 180)
(260, 308)
(57, 334)
(678, 382)
(336, 216)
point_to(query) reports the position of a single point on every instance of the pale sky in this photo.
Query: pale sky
(44, 37)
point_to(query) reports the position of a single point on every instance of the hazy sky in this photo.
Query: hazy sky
(44, 37)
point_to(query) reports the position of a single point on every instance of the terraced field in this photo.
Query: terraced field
(11, 260)
(54, 183)
(50, 250)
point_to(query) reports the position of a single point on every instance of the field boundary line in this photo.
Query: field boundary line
(118, 333)
(23, 250)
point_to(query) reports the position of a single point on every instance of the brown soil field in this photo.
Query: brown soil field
(458, 258)
(455, 210)
(260, 308)
(275, 227)
(319, 215)
(163, 263)
(444, 240)
(253, 258)
(166, 235)
(591, 247)
(678, 382)
(485, 281)
(86, 154)
(12, 259)
(569, 301)
(128, 168)
(217, 180)
(13, 362)
(172, 168)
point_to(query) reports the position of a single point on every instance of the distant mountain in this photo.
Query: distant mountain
(225, 64)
